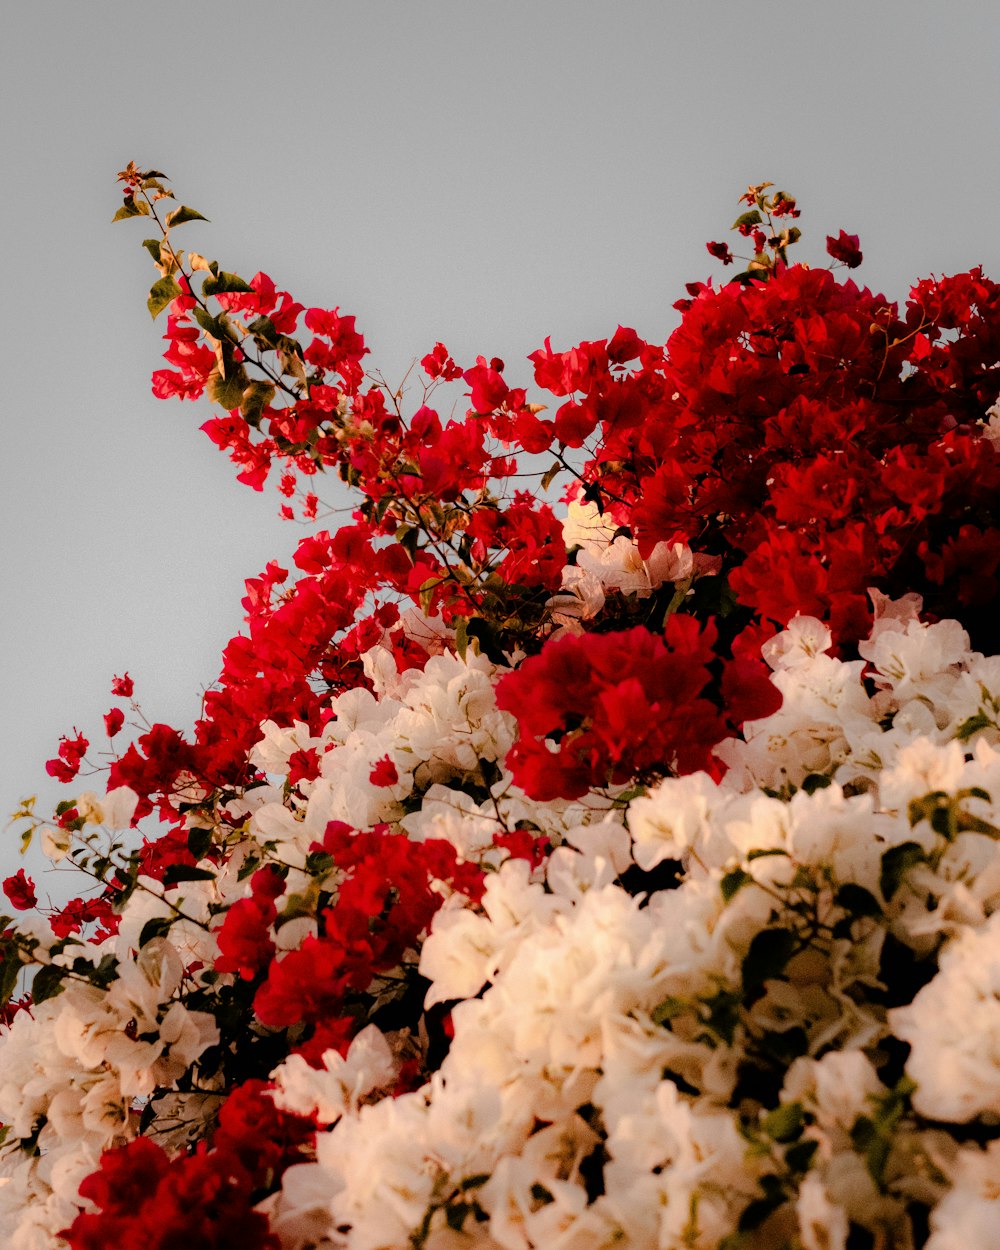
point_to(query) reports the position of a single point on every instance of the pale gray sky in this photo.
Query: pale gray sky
(481, 174)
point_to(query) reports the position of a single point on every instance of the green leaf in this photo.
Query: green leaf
(159, 926)
(972, 726)
(264, 332)
(290, 358)
(461, 636)
(10, 970)
(723, 1016)
(757, 1211)
(225, 284)
(47, 984)
(227, 391)
(152, 246)
(733, 882)
(408, 537)
(476, 1181)
(485, 635)
(181, 214)
(784, 1123)
(752, 218)
(857, 900)
(255, 399)
(249, 865)
(162, 293)
(549, 476)
(769, 952)
(669, 1009)
(131, 208)
(896, 863)
(320, 864)
(218, 327)
(101, 974)
(815, 781)
(177, 873)
(199, 840)
(799, 1156)
(783, 1046)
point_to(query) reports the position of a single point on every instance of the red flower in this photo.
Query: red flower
(721, 252)
(146, 1201)
(845, 248)
(20, 889)
(439, 364)
(303, 766)
(384, 772)
(82, 911)
(71, 752)
(113, 721)
(245, 937)
(489, 390)
(617, 706)
(122, 687)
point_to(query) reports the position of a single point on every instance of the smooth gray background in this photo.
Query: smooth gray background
(484, 174)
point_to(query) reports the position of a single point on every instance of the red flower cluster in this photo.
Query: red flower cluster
(383, 905)
(146, 1201)
(245, 939)
(67, 763)
(625, 705)
(78, 912)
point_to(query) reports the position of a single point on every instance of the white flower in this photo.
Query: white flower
(672, 818)
(953, 1027)
(920, 768)
(966, 1218)
(341, 1083)
(822, 1224)
(272, 752)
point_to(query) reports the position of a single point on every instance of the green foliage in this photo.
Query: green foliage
(181, 214)
(162, 293)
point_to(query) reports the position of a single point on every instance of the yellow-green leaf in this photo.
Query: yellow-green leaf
(181, 214)
(162, 293)
(132, 208)
(224, 283)
(254, 400)
(227, 391)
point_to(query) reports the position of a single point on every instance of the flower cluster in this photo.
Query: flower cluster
(610, 864)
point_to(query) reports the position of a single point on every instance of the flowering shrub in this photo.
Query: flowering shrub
(614, 863)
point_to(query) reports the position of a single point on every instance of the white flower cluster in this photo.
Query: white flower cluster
(73, 1070)
(607, 561)
(675, 1067)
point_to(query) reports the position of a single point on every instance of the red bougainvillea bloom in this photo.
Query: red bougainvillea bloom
(602, 708)
(721, 252)
(845, 247)
(122, 687)
(67, 763)
(244, 940)
(20, 890)
(439, 364)
(146, 1201)
(113, 721)
(384, 773)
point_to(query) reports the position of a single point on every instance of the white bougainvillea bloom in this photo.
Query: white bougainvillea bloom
(953, 1028)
